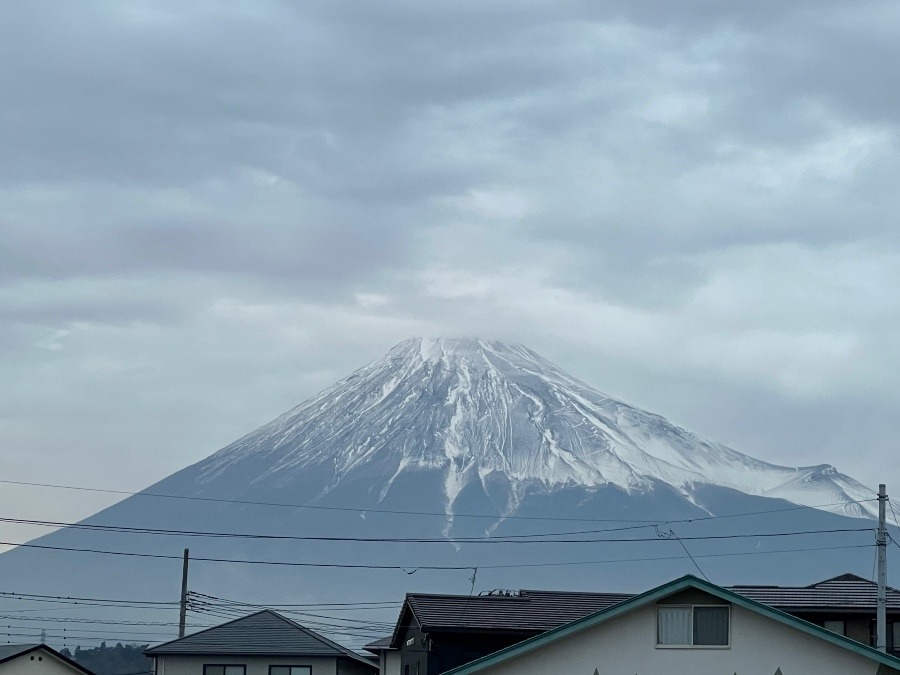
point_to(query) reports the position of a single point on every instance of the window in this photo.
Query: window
(692, 626)
(290, 670)
(836, 627)
(892, 634)
(674, 626)
(224, 669)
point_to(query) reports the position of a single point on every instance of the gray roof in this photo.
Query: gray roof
(847, 592)
(264, 633)
(527, 611)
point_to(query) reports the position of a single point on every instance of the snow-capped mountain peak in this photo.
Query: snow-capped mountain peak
(476, 411)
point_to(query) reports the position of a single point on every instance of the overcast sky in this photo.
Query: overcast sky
(209, 211)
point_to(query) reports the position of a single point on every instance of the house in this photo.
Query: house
(37, 659)
(264, 643)
(388, 657)
(435, 633)
(683, 627)
(844, 604)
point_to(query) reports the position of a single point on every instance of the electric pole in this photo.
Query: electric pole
(881, 543)
(184, 574)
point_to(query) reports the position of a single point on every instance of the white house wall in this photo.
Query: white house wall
(37, 662)
(193, 665)
(626, 645)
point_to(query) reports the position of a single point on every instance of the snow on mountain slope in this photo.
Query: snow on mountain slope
(472, 409)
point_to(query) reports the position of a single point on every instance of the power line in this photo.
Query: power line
(353, 631)
(86, 604)
(677, 557)
(124, 529)
(340, 607)
(506, 539)
(241, 611)
(80, 599)
(100, 631)
(134, 604)
(493, 516)
(68, 619)
(406, 568)
(671, 534)
(56, 636)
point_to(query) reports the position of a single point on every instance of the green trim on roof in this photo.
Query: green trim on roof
(658, 593)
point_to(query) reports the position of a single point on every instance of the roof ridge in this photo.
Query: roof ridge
(846, 576)
(320, 640)
(207, 630)
(317, 636)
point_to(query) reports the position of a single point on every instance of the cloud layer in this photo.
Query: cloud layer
(208, 211)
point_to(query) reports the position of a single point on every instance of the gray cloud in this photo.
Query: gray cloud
(208, 211)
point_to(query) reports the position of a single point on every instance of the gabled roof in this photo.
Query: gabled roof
(659, 593)
(379, 645)
(526, 612)
(264, 633)
(9, 652)
(846, 592)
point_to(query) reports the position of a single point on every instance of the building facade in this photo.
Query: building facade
(264, 643)
(686, 627)
(37, 659)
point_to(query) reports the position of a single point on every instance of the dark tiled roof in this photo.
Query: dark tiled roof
(538, 611)
(265, 633)
(530, 611)
(846, 592)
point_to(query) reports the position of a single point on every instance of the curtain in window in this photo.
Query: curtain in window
(674, 625)
(710, 625)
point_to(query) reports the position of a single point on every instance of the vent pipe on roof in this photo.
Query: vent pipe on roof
(881, 543)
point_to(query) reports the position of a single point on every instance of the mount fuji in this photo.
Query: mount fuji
(397, 477)
(504, 422)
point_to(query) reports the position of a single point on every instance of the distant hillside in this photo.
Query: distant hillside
(123, 659)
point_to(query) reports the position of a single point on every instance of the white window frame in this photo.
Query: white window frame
(692, 645)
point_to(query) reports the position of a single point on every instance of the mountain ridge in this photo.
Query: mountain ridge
(362, 489)
(482, 411)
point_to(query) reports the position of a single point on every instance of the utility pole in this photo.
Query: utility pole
(881, 544)
(183, 614)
